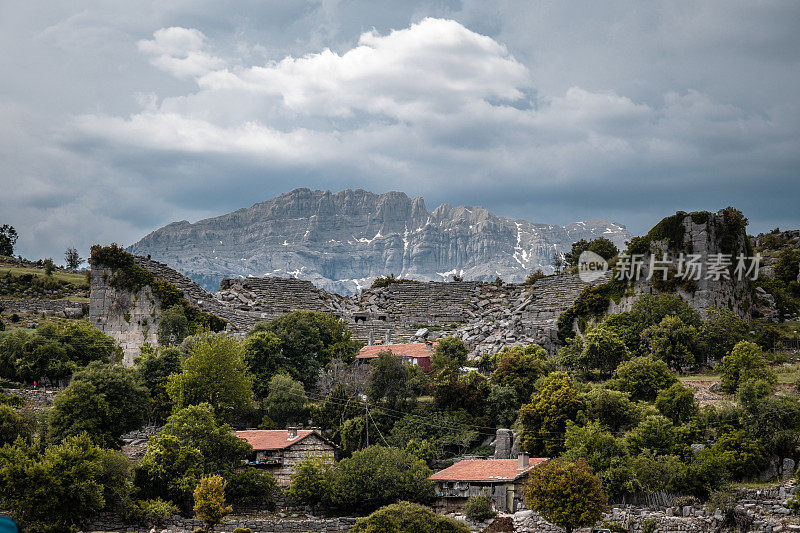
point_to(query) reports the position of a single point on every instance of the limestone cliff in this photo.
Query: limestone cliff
(342, 241)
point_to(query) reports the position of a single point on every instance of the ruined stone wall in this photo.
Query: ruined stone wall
(34, 306)
(276, 524)
(129, 318)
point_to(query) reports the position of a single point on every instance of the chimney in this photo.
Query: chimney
(522, 461)
(388, 337)
(291, 433)
(371, 339)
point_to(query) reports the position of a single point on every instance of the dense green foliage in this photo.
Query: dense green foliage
(214, 372)
(601, 246)
(53, 351)
(103, 401)
(308, 340)
(450, 352)
(566, 493)
(745, 362)
(56, 488)
(544, 419)
(209, 501)
(479, 508)
(405, 517)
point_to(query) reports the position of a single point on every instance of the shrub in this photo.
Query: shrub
(650, 525)
(644, 377)
(745, 362)
(311, 481)
(479, 508)
(251, 487)
(379, 475)
(405, 517)
(242, 530)
(566, 494)
(209, 501)
(151, 511)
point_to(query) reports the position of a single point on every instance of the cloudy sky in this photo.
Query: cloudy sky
(119, 117)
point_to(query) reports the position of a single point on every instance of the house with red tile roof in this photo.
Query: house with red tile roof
(279, 450)
(502, 479)
(415, 353)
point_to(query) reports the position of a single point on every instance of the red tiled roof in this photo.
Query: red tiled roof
(485, 470)
(411, 349)
(272, 439)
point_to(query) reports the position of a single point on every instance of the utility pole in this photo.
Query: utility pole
(366, 418)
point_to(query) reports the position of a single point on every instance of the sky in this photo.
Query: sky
(120, 117)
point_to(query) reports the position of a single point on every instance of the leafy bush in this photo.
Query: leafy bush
(479, 508)
(405, 517)
(644, 377)
(252, 487)
(379, 475)
(242, 530)
(745, 362)
(209, 501)
(151, 511)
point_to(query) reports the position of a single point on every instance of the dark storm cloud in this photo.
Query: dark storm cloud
(119, 119)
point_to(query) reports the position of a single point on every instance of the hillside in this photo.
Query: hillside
(342, 241)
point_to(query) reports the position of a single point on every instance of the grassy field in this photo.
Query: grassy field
(74, 279)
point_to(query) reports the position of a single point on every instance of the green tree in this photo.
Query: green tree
(14, 424)
(311, 481)
(601, 246)
(394, 382)
(677, 403)
(501, 405)
(520, 368)
(252, 487)
(405, 517)
(196, 426)
(745, 362)
(565, 493)
(671, 341)
(545, 418)
(650, 309)
(601, 350)
(720, 332)
(49, 267)
(644, 377)
(452, 391)
(309, 340)
(611, 408)
(593, 443)
(169, 470)
(286, 402)
(209, 501)
(655, 433)
(53, 489)
(378, 475)
(262, 354)
(153, 368)
(72, 259)
(8, 238)
(658, 473)
(451, 353)
(788, 266)
(173, 326)
(214, 373)
(103, 401)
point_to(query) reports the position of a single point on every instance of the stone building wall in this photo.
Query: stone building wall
(291, 455)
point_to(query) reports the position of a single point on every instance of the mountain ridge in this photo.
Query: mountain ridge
(341, 241)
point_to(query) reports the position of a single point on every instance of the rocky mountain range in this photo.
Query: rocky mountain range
(342, 241)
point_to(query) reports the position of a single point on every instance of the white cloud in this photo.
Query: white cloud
(180, 51)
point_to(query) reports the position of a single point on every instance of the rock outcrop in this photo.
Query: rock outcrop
(342, 241)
